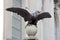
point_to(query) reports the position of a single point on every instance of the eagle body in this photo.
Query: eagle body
(33, 21)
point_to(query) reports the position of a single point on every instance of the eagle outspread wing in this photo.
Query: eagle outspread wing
(43, 15)
(22, 12)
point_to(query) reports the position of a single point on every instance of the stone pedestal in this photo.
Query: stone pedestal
(31, 31)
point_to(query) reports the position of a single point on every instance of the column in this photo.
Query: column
(7, 20)
(48, 23)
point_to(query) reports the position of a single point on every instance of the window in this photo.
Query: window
(16, 23)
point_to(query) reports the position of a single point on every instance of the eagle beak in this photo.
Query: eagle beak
(38, 11)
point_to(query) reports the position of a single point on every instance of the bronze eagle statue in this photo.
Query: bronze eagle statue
(32, 20)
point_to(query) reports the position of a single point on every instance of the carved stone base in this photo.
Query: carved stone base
(31, 38)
